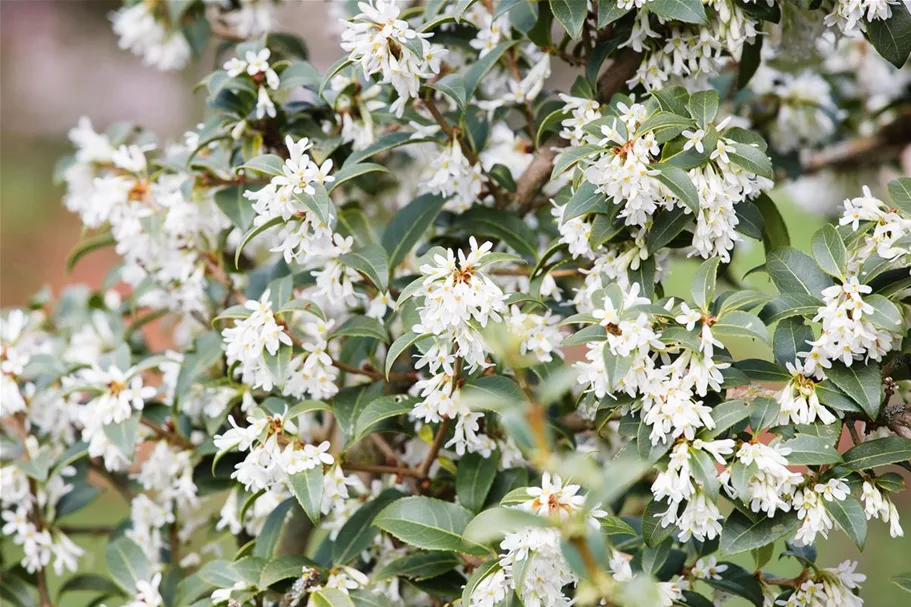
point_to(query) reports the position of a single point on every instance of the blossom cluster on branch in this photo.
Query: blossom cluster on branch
(424, 345)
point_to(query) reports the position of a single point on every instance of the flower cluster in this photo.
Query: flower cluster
(431, 325)
(384, 44)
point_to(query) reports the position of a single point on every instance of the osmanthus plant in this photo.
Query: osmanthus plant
(421, 349)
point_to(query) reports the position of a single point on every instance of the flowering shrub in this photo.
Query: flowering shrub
(422, 351)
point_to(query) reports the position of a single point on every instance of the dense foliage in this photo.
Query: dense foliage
(420, 349)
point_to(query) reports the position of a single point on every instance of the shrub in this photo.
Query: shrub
(422, 350)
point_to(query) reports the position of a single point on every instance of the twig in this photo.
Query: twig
(377, 469)
(424, 468)
(853, 432)
(613, 80)
(168, 435)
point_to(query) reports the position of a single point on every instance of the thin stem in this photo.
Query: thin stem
(168, 435)
(377, 469)
(424, 468)
(853, 432)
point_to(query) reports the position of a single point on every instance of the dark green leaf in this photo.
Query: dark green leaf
(795, 272)
(862, 383)
(878, 452)
(830, 251)
(474, 478)
(571, 14)
(688, 11)
(849, 515)
(409, 225)
(740, 534)
(307, 487)
(678, 182)
(892, 37)
(426, 523)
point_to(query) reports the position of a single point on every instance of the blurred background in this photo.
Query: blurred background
(59, 60)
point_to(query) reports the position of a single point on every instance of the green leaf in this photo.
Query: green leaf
(238, 209)
(752, 159)
(15, 591)
(299, 73)
(765, 413)
(270, 534)
(492, 524)
(307, 487)
(353, 171)
(426, 523)
(277, 363)
(302, 305)
(362, 326)
(268, 164)
(703, 289)
(878, 452)
(704, 471)
(492, 392)
(127, 564)
(474, 478)
(87, 246)
(667, 226)
(485, 570)
(688, 11)
(586, 199)
(903, 581)
(453, 86)
(91, 582)
(740, 534)
(885, 315)
(795, 272)
(775, 233)
(661, 121)
(829, 251)
(788, 305)
(125, 434)
(849, 515)
(862, 384)
(726, 415)
(330, 597)
(609, 11)
(737, 580)
(409, 225)
(570, 156)
(386, 143)
(398, 347)
(283, 568)
(419, 565)
(809, 450)
(358, 532)
(368, 598)
(892, 37)
(479, 68)
(571, 14)
(252, 233)
(334, 69)
(791, 337)
(703, 107)
(900, 193)
(741, 324)
(678, 182)
(370, 261)
(382, 409)
(502, 225)
(317, 203)
(653, 533)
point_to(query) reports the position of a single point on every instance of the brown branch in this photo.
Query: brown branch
(169, 435)
(864, 151)
(612, 81)
(377, 469)
(424, 468)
